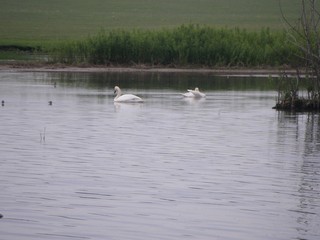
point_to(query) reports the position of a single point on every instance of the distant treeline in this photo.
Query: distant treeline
(184, 45)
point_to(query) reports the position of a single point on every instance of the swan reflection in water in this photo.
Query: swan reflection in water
(126, 106)
(193, 101)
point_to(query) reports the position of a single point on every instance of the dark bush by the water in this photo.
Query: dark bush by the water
(185, 45)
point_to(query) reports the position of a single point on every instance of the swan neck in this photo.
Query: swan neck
(118, 92)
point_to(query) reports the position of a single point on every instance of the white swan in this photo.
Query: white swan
(126, 97)
(194, 93)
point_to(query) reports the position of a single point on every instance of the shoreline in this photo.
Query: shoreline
(258, 72)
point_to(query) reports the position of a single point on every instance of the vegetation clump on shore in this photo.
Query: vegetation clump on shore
(182, 46)
(304, 35)
(292, 98)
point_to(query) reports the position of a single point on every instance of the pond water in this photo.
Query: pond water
(224, 167)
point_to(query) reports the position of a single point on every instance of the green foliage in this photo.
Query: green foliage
(184, 45)
(288, 98)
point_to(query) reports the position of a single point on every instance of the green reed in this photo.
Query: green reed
(181, 46)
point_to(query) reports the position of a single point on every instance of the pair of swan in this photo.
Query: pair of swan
(133, 98)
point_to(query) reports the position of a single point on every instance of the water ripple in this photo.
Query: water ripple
(225, 167)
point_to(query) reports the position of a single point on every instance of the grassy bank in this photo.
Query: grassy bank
(184, 45)
(68, 31)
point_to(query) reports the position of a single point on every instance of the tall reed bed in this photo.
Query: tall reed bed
(184, 45)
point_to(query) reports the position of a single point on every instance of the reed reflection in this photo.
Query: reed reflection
(305, 128)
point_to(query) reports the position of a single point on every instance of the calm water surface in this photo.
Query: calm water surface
(225, 167)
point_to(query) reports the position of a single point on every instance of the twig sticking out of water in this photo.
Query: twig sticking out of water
(43, 135)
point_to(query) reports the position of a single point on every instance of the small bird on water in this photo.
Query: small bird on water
(1, 216)
(2, 103)
(50, 102)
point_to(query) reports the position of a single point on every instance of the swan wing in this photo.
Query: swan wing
(188, 94)
(128, 98)
(196, 94)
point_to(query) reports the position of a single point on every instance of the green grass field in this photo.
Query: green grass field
(32, 21)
